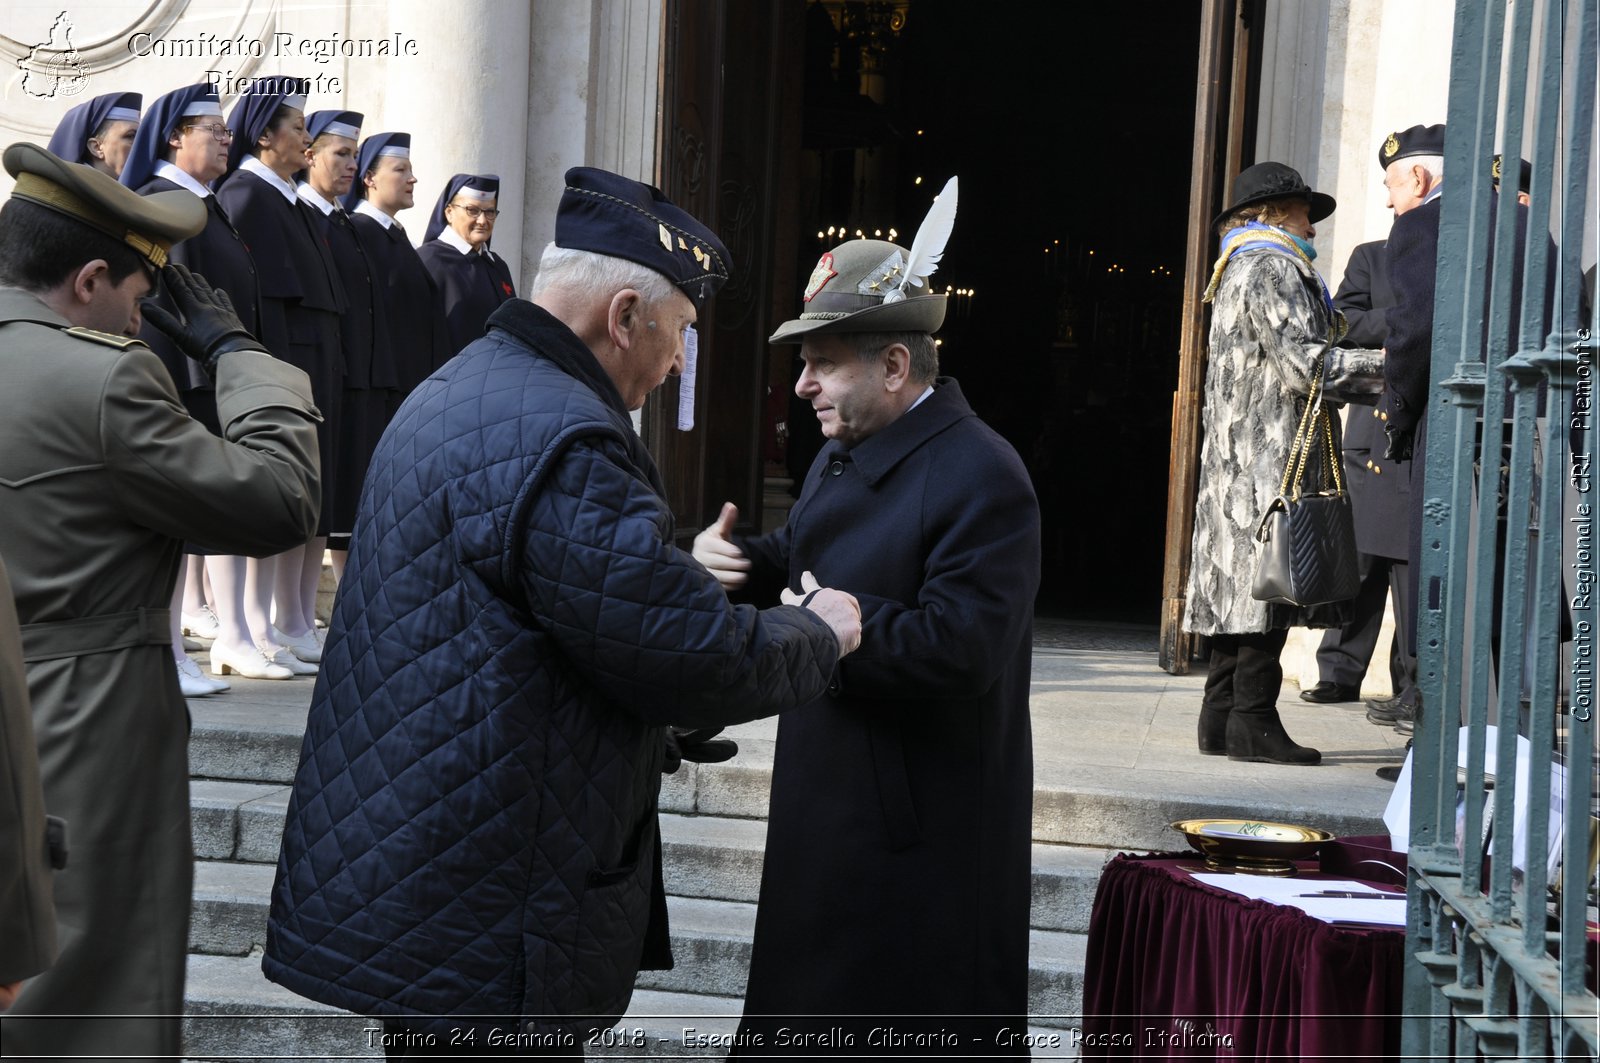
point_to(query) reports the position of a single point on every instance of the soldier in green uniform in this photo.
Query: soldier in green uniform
(102, 478)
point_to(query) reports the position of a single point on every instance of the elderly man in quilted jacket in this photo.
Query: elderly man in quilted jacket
(472, 831)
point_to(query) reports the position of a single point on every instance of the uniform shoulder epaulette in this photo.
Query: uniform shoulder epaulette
(105, 339)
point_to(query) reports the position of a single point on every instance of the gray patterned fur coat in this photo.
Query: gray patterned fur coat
(1268, 325)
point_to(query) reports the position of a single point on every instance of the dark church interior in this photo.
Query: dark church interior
(1070, 127)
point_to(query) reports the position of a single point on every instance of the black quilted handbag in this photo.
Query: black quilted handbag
(1308, 554)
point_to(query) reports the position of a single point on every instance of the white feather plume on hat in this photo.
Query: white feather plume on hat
(927, 247)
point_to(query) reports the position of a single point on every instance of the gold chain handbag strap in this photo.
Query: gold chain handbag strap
(1313, 418)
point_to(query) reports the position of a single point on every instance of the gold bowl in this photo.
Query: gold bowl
(1252, 846)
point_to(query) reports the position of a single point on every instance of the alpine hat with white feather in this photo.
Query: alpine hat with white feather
(876, 286)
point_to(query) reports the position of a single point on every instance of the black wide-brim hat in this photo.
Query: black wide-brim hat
(1274, 180)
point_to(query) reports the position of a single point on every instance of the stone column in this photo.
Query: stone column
(592, 100)
(463, 103)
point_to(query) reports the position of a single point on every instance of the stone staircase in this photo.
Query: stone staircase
(245, 747)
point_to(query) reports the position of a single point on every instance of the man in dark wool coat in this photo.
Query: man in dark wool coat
(471, 849)
(893, 916)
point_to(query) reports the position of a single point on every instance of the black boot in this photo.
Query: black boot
(1213, 731)
(1255, 730)
(1218, 698)
(1259, 736)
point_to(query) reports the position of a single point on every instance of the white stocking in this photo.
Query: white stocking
(226, 575)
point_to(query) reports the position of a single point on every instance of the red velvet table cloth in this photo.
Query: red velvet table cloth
(1177, 969)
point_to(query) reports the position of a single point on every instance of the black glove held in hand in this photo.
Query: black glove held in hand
(209, 327)
(1400, 442)
(700, 746)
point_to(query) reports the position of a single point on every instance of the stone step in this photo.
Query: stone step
(710, 940)
(234, 1013)
(1090, 814)
(704, 856)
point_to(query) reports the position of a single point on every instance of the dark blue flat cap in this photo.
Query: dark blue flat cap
(257, 104)
(160, 122)
(373, 148)
(473, 186)
(79, 124)
(1418, 140)
(614, 215)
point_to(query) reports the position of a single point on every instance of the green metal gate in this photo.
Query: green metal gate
(1499, 963)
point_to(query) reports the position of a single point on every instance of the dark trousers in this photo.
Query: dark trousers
(402, 1042)
(1246, 673)
(1346, 651)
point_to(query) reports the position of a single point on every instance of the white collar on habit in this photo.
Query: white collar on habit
(365, 206)
(454, 239)
(263, 171)
(180, 178)
(312, 196)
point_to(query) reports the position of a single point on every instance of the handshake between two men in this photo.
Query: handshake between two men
(723, 558)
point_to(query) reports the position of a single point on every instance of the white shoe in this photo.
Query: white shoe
(202, 625)
(192, 645)
(281, 656)
(246, 661)
(306, 647)
(190, 681)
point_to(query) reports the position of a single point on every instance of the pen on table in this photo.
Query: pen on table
(1354, 896)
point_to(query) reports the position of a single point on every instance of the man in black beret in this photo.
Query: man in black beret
(103, 476)
(472, 831)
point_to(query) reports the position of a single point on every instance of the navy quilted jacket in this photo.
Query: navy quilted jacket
(472, 829)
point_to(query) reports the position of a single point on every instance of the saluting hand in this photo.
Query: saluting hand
(841, 611)
(209, 327)
(719, 554)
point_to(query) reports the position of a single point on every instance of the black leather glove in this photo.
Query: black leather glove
(700, 746)
(1400, 442)
(209, 327)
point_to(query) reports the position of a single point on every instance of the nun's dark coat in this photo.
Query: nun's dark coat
(898, 872)
(301, 300)
(369, 376)
(471, 287)
(219, 255)
(411, 304)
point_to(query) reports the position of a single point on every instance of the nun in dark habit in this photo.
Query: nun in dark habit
(183, 144)
(471, 278)
(100, 132)
(363, 333)
(383, 187)
(302, 299)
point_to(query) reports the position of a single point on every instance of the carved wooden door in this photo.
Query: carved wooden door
(730, 132)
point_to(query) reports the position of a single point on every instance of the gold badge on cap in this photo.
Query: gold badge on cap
(820, 276)
(1391, 147)
(1494, 169)
(665, 237)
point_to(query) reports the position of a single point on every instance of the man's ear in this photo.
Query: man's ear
(90, 277)
(621, 316)
(896, 367)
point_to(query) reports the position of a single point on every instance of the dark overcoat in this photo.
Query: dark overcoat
(897, 872)
(1380, 494)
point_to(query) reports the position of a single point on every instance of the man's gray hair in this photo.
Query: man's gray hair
(924, 352)
(595, 274)
(1434, 164)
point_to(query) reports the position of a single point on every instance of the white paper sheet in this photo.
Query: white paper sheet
(1388, 910)
(691, 356)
